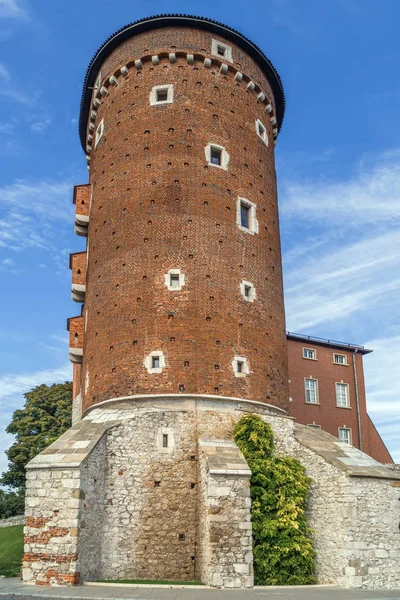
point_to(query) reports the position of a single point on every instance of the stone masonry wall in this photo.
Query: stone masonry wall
(225, 540)
(132, 508)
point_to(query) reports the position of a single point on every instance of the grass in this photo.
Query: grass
(11, 550)
(151, 581)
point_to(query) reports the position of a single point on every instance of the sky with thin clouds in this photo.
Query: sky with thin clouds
(337, 159)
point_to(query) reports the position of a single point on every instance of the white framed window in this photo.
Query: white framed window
(246, 216)
(342, 395)
(340, 359)
(313, 426)
(309, 353)
(99, 133)
(217, 156)
(162, 94)
(311, 386)
(221, 50)
(155, 362)
(240, 366)
(344, 435)
(248, 291)
(262, 131)
(97, 84)
(174, 280)
(165, 440)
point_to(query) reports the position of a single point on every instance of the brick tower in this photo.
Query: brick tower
(182, 332)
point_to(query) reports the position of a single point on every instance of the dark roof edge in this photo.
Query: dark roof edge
(159, 21)
(298, 337)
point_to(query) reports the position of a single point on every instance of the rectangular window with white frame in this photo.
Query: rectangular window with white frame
(311, 386)
(340, 359)
(162, 94)
(309, 353)
(342, 395)
(246, 216)
(344, 435)
(221, 50)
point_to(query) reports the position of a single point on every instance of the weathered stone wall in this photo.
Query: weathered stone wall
(225, 540)
(139, 508)
(77, 409)
(17, 520)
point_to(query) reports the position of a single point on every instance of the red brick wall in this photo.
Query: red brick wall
(327, 414)
(75, 327)
(78, 267)
(156, 205)
(82, 199)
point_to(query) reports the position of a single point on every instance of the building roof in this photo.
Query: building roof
(159, 21)
(299, 337)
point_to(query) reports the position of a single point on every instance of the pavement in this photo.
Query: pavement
(16, 590)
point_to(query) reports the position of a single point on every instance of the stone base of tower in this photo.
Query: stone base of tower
(156, 489)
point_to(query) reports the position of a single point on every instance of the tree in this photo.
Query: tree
(282, 544)
(45, 416)
(11, 504)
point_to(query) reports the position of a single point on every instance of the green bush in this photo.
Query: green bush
(282, 545)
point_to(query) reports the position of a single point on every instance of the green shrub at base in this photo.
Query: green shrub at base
(282, 545)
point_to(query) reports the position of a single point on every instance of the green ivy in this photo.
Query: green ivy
(282, 545)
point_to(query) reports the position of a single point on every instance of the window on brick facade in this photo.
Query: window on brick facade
(155, 362)
(98, 82)
(240, 366)
(311, 391)
(246, 216)
(174, 280)
(309, 353)
(340, 359)
(99, 133)
(248, 291)
(217, 156)
(345, 434)
(221, 49)
(162, 94)
(342, 395)
(262, 131)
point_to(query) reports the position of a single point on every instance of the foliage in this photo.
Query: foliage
(11, 550)
(11, 504)
(282, 545)
(45, 416)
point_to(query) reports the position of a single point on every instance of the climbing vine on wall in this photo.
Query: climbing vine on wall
(282, 545)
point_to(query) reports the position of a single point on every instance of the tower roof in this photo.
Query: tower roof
(159, 21)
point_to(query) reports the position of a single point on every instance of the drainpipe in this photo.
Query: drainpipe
(357, 400)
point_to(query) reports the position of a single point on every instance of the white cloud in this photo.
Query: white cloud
(8, 262)
(33, 214)
(41, 126)
(11, 9)
(371, 196)
(4, 74)
(20, 383)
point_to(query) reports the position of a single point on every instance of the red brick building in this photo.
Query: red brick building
(327, 391)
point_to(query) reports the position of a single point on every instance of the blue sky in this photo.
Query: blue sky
(338, 165)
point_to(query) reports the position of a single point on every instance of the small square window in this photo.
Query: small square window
(162, 95)
(174, 280)
(308, 353)
(244, 215)
(221, 50)
(247, 291)
(340, 359)
(239, 366)
(165, 440)
(155, 362)
(215, 156)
